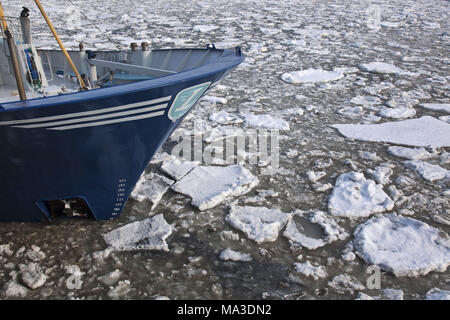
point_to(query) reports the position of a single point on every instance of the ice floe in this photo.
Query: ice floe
(258, 223)
(403, 246)
(346, 283)
(311, 76)
(410, 153)
(266, 121)
(33, 275)
(151, 186)
(421, 132)
(148, 234)
(386, 294)
(177, 169)
(309, 270)
(427, 171)
(215, 100)
(224, 117)
(209, 186)
(397, 113)
(295, 232)
(231, 255)
(365, 100)
(445, 107)
(355, 196)
(437, 294)
(380, 67)
(380, 174)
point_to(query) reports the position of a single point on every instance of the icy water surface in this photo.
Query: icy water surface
(310, 64)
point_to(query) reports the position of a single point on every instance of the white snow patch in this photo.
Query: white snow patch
(426, 170)
(356, 196)
(403, 246)
(148, 234)
(421, 132)
(258, 223)
(231, 255)
(311, 76)
(209, 186)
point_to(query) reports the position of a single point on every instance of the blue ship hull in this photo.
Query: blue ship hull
(93, 145)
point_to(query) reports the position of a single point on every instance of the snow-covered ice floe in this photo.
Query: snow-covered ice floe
(445, 107)
(403, 246)
(386, 294)
(258, 223)
(355, 196)
(177, 169)
(346, 283)
(224, 117)
(209, 186)
(421, 132)
(309, 270)
(148, 234)
(266, 121)
(410, 153)
(397, 113)
(151, 186)
(332, 231)
(231, 255)
(427, 171)
(437, 294)
(311, 76)
(381, 67)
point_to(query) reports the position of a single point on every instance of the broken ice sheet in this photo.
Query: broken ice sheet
(151, 186)
(355, 196)
(258, 223)
(404, 246)
(209, 186)
(177, 169)
(422, 132)
(295, 231)
(148, 234)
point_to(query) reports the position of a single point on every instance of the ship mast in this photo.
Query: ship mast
(13, 53)
(61, 45)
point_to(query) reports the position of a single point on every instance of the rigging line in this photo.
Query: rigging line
(92, 23)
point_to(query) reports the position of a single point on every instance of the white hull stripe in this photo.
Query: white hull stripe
(87, 113)
(86, 119)
(102, 123)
